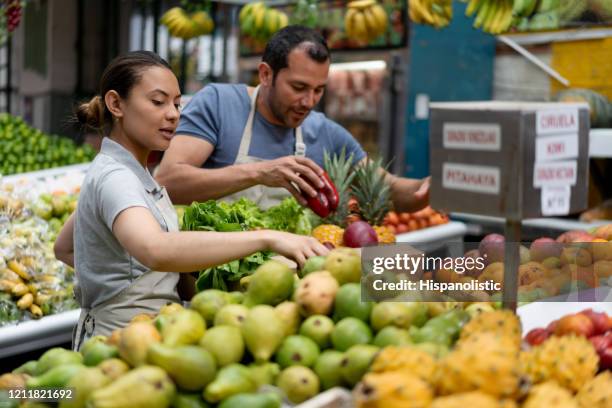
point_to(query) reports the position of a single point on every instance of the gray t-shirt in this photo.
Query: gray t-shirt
(218, 114)
(114, 182)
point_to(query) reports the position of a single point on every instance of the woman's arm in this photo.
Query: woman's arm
(141, 235)
(64, 244)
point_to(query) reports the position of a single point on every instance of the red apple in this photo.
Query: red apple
(360, 234)
(605, 359)
(578, 324)
(543, 248)
(600, 343)
(537, 336)
(492, 248)
(600, 320)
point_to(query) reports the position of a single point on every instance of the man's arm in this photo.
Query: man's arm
(186, 182)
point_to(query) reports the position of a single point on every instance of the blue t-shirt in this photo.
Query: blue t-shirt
(218, 114)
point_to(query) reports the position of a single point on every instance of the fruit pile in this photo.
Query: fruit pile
(260, 21)
(32, 282)
(575, 260)
(23, 148)
(400, 223)
(365, 20)
(185, 25)
(363, 201)
(595, 326)
(437, 13)
(559, 372)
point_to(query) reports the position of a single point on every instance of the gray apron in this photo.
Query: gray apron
(145, 294)
(264, 196)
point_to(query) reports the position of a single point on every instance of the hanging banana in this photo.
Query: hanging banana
(186, 25)
(261, 22)
(437, 13)
(365, 20)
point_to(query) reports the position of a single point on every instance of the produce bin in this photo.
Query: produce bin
(436, 238)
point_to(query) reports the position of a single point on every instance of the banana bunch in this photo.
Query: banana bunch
(365, 20)
(184, 25)
(437, 13)
(493, 16)
(524, 8)
(260, 22)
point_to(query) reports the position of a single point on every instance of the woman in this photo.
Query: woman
(123, 238)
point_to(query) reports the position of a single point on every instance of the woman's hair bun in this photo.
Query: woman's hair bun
(91, 114)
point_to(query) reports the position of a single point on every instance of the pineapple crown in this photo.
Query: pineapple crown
(339, 169)
(372, 191)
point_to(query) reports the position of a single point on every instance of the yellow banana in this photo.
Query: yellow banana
(361, 4)
(283, 20)
(414, 16)
(423, 10)
(271, 21)
(348, 22)
(245, 11)
(360, 27)
(493, 17)
(371, 22)
(473, 6)
(483, 12)
(508, 16)
(259, 15)
(381, 16)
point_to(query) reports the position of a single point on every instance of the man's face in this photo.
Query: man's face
(297, 88)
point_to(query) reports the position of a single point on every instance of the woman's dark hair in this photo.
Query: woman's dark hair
(121, 74)
(287, 39)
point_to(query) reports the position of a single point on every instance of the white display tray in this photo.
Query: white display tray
(43, 333)
(42, 174)
(540, 314)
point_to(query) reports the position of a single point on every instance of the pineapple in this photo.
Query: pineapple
(570, 360)
(338, 169)
(409, 359)
(329, 233)
(372, 193)
(501, 322)
(550, 394)
(394, 389)
(597, 393)
(466, 400)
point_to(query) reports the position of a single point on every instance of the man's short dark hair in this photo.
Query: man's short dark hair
(287, 39)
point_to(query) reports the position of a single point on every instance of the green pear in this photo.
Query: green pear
(349, 332)
(328, 368)
(344, 264)
(263, 331)
(208, 302)
(231, 380)
(113, 368)
(251, 400)
(313, 264)
(356, 362)
(183, 400)
(348, 303)
(191, 367)
(271, 284)
(399, 314)
(143, 387)
(392, 336)
(224, 343)
(97, 352)
(182, 328)
(55, 357)
(235, 297)
(56, 377)
(28, 368)
(87, 381)
(265, 373)
(289, 312)
(297, 350)
(318, 328)
(231, 315)
(298, 383)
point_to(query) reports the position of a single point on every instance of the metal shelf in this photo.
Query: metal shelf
(577, 34)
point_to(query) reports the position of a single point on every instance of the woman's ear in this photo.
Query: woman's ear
(266, 75)
(113, 103)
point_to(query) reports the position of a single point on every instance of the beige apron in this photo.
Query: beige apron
(146, 294)
(264, 196)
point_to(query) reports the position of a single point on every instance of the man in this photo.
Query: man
(235, 141)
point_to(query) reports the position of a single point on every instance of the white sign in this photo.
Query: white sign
(556, 147)
(562, 173)
(472, 136)
(557, 121)
(556, 200)
(467, 177)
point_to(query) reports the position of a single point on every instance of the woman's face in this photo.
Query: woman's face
(151, 110)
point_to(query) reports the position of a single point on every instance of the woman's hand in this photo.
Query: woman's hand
(296, 247)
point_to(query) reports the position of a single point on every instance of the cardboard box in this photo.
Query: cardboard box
(509, 159)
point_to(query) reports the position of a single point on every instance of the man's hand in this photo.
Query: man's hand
(409, 195)
(285, 172)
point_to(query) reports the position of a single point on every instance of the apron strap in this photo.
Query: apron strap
(247, 133)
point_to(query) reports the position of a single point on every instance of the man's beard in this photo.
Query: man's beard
(278, 110)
